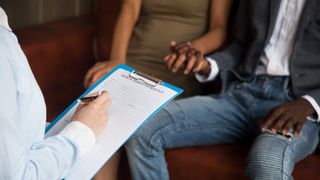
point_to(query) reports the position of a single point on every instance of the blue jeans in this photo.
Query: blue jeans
(231, 118)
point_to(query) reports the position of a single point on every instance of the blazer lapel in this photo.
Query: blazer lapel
(273, 10)
(308, 10)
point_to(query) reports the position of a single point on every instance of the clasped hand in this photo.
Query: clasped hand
(187, 58)
(289, 115)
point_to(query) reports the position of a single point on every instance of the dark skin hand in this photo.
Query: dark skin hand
(184, 56)
(288, 115)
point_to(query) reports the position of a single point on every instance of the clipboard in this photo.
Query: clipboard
(140, 96)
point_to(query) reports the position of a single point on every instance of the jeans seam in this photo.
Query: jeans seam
(285, 152)
(284, 159)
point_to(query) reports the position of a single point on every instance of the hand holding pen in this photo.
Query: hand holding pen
(89, 98)
(93, 111)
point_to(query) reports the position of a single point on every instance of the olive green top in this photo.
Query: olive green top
(160, 22)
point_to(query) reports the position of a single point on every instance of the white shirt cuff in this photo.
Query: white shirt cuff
(214, 70)
(80, 134)
(314, 104)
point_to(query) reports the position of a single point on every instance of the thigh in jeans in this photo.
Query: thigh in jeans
(193, 121)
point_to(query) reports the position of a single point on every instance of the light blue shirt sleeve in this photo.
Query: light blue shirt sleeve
(24, 153)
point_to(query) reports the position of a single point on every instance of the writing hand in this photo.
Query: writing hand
(94, 114)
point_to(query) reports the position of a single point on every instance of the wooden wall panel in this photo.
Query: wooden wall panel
(24, 13)
(86, 6)
(58, 9)
(21, 12)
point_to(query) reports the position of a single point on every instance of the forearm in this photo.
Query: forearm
(52, 158)
(211, 41)
(123, 29)
(218, 25)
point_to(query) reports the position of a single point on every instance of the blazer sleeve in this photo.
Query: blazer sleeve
(230, 57)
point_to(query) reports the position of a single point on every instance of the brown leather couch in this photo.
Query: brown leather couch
(60, 53)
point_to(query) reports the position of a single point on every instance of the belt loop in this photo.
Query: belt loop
(255, 79)
(286, 82)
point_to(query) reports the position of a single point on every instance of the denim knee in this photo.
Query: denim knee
(140, 141)
(148, 137)
(270, 158)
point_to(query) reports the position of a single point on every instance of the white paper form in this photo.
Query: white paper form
(133, 102)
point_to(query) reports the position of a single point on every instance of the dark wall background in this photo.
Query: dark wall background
(24, 13)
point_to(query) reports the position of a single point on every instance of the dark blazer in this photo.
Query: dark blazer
(254, 26)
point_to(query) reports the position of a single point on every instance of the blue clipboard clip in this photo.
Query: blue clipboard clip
(152, 81)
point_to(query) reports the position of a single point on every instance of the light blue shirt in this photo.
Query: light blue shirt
(24, 153)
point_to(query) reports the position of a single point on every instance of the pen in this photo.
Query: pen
(88, 99)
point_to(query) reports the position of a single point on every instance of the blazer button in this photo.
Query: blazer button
(297, 75)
